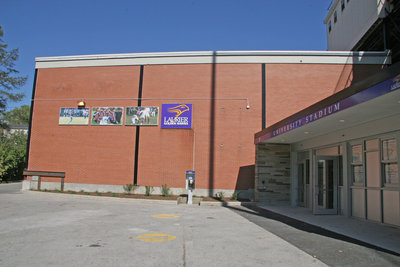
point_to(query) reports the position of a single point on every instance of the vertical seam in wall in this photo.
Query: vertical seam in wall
(28, 143)
(136, 165)
(212, 126)
(263, 96)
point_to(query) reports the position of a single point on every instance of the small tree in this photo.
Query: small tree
(12, 157)
(18, 116)
(8, 81)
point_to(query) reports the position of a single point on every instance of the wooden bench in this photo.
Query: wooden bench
(40, 174)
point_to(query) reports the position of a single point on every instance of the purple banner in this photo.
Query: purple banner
(176, 116)
(358, 98)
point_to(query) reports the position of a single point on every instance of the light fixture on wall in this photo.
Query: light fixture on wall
(81, 104)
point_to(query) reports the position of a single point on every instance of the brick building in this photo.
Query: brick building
(232, 95)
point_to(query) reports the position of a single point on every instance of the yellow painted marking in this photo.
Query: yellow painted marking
(156, 237)
(165, 216)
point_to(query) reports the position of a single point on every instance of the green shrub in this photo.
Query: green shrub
(129, 188)
(234, 196)
(165, 190)
(220, 195)
(12, 157)
(71, 192)
(113, 194)
(149, 190)
(98, 193)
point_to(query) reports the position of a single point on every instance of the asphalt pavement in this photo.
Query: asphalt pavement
(49, 229)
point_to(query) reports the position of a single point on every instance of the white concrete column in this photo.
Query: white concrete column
(293, 179)
(346, 179)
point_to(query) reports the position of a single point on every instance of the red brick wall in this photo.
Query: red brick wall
(88, 154)
(165, 154)
(293, 87)
(224, 154)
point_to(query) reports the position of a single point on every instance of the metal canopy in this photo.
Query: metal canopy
(374, 98)
(378, 108)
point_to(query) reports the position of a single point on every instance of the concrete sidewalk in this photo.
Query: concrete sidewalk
(376, 234)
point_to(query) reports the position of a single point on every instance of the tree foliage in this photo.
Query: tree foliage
(9, 80)
(17, 116)
(12, 156)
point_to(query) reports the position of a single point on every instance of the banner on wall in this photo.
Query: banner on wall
(73, 116)
(107, 115)
(176, 116)
(142, 116)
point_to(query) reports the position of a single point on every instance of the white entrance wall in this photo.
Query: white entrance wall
(365, 196)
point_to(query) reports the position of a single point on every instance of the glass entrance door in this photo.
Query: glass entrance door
(326, 185)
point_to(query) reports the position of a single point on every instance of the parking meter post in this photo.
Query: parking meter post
(190, 197)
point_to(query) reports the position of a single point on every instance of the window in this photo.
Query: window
(357, 167)
(329, 26)
(343, 5)
(335, 17)
(389, 162)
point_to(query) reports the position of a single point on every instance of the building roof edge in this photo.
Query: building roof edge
(212, 53)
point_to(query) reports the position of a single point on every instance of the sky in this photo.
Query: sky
(42, 28)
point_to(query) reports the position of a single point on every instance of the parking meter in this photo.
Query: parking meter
(190, 184)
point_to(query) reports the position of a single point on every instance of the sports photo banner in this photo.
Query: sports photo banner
(73, 116)
(176, 116)
(107, 115)
(141, 116)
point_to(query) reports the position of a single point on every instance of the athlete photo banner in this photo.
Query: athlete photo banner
(107, 115)
(141, 116)
(73, 116)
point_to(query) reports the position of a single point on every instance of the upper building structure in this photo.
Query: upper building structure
(364, 25)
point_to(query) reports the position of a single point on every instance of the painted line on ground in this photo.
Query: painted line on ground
(165, 216)
(156, 237)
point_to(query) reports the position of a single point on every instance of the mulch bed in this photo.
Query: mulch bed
(120, 195)
(139, 196)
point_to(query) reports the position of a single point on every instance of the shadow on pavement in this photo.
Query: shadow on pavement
(303, 226)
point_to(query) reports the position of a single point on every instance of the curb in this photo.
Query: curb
(147, 201)
(225, 204)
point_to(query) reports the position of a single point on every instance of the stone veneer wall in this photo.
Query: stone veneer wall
(272, 181)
